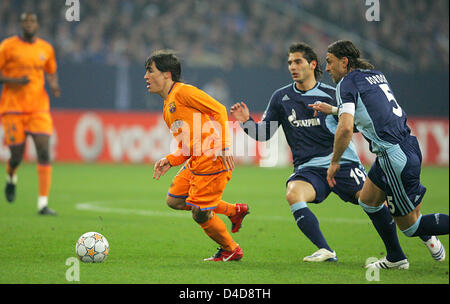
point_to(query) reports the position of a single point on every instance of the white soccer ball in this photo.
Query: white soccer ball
(92, 247)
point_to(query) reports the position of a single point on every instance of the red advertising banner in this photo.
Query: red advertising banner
(102, 136)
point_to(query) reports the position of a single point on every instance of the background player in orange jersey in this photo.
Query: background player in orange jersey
(24, 103)
(199, 123)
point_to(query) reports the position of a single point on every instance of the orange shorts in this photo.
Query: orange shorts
(202, 191)
(17, 126)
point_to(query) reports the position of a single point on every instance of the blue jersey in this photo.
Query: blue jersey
(310, 138)
(366, 95)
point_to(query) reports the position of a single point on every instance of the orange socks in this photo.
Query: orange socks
(216, 229)
(225, 208)
(45, 179)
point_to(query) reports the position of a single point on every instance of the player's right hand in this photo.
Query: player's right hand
(227, 158)
(161, 167)
(240, 112)
(56, 91)
(323, 107)
(21, 80)
(331, 173)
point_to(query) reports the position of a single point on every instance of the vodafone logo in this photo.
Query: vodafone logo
(95, 138)
(89, 137)
(144, 137)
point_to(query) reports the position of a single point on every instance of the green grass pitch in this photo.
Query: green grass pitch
(151, 243)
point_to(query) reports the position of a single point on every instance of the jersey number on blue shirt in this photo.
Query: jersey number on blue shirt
(395, 108)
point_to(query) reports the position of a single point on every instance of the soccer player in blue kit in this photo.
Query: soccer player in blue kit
(366, 100)
(310, 138)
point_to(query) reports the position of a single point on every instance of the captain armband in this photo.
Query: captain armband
(347, 107)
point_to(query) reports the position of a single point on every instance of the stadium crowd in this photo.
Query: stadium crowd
(224, 33)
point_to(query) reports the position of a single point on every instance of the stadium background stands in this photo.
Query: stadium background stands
(235, 50)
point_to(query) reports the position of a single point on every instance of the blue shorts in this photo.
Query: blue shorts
(349, 180)
(397, 172)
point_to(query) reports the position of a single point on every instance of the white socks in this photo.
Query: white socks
(42, 202)
(11, 179)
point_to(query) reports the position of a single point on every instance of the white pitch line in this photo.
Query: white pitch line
(93, 206)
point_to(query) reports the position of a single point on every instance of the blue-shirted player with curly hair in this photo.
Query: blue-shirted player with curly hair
(366, 100)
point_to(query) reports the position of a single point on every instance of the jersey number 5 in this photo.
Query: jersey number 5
(390, 204)
(395, 108)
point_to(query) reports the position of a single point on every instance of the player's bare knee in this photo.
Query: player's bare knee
(171, 204)
(175, 203)
(293, 197)
(371, 200)
(201, 216)
(299, 191)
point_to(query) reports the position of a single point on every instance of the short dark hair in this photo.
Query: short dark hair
(346, 48)
(308, 54)
(165, 61)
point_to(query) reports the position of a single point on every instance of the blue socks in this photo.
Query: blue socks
(309, 225)
(384, 224)
(430, 224)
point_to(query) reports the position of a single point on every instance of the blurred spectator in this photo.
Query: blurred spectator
(218, 89)
(227, 33)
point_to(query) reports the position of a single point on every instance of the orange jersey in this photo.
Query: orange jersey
(17, 59)
(199, 124)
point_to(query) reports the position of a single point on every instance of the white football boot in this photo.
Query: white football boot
(436, 248)
(321, 255)
(383, 263)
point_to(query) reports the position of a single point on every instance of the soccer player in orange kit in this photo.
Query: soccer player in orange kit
(24, 104)
(199, 123)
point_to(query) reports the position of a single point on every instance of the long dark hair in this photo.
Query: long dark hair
(346, 48)
(308, 54)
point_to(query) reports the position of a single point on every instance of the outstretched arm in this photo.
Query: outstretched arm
(323, 107)
(261, 131)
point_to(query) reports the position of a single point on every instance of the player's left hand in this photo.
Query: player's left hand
(240, 112)
(331, 173)
(161, 167)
